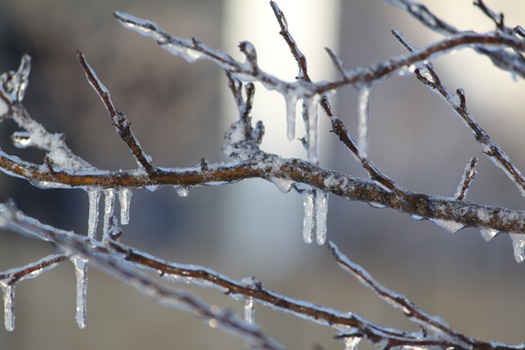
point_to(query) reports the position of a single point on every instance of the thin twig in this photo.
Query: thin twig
(118, 118)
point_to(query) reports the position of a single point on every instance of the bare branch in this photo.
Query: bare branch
(512, 62)
(118, 118)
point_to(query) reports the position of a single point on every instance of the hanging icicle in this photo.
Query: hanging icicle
(9, 305)
(249, 310)
(94, 204)
(291, 103)
(124, 196)
(309, 217)
(364, 120)
(81, 268)
(109, 208)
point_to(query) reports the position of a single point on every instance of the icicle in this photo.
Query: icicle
(315, 214)
(449, 225)
(291, 103)
(351, 343)
(109, 207)
(184, 48)
(518, 245)
(311, 124)
(249, 310)
(309, 219)
(81, 278)
(488, 233)
(124, 197)
(94, 203)
(321, 213)
(9, 305)
(364, 120)
(182, 191)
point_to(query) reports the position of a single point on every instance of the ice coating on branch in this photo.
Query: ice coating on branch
(449, 225)
(249, 310)
(94, 204)
(152, 188)
(291, 111)
(124, 196)
(9, 305)
(81, 268)
(364, 120)
(282, 185)
(183, 48)
(518, 246)
(109, 208)
(315, 216)
(13, 84)
(488, 233)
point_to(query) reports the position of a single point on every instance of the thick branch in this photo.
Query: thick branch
(267, 166)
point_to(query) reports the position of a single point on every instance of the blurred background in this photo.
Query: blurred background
(180, 111)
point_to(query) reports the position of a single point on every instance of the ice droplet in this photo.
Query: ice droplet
(21, 139)
(94, 203)
(282, 185)
(109, 208)
(152, 188)
(291, 104)
(364, 120)
(124, 197)
(377, 205)
(249, 310)
(182, 191)
(488, 233)
(518, 245)
(9, 305)
(449, 225)
(81, 267)
(351, 343)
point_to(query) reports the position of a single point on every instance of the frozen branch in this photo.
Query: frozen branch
(61, 168)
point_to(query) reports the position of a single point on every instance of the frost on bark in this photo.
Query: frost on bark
(61, 168)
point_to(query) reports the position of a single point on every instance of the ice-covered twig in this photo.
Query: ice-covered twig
(269, 166)
(112, 262)
(512, 62)
(435, 329)
(133, 267)
(118, 118)
(297, 54)
(467, 178)
(498, 19)
(457, 101)
(10, 278)
(242, 138)
(196, 50)
(12, 89)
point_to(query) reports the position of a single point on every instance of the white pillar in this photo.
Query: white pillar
(256, 215)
